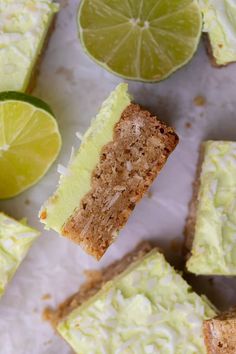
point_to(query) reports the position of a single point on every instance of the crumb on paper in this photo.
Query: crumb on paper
(47, 314)
(47, 342)
(68, 74)
(188, 125)
(64, 3)
(27, 202)
(46, 297)
(149, 194)
(199, 101)
(93, 275)
(35, 310)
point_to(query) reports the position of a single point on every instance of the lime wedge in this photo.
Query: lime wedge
(144, 40)
(29, 142)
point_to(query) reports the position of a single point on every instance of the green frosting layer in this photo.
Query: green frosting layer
(76, 181)
(214, 245)
(220, 24)
(23, 28)
(15, 241)
(147, 309)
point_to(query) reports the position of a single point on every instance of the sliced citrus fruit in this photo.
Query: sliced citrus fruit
(139, 39)
(29, 142)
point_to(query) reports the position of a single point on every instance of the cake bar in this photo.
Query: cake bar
(25, 27)
(121, 154)
(211, 225)
(140, 304)
(15, 240)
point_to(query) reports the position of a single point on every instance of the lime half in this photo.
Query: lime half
(29, 142)
(144, 40)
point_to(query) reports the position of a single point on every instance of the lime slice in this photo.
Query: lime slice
(29, 142)
(144, 40)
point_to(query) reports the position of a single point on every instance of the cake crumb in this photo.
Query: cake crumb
(93, 275)
(199, 101)
(43, 215)
(188, 125)
(66, 73)
(64, 3)
(46, 297)
(149, 194)
(27, 202)
(47, 342)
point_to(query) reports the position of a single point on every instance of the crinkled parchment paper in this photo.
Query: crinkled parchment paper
(75, 86)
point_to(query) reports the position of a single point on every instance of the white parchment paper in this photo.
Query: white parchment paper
(74, 86)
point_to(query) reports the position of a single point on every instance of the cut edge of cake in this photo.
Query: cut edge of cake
(220, 333)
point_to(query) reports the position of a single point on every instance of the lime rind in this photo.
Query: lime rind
(20, 96)
(193, 39)
(25, 158)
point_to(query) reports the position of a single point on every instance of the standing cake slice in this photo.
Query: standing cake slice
(139, 304)
(25, 26)
(219, 25)
(220, 333)
(15, 240)
(120, 155)
(211, 225)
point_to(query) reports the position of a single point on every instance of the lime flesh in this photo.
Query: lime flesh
(138, 39)
(29, 142)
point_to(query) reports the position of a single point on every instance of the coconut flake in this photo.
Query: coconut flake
(109, 297)
(72, 155)
(62, 169)
(149, 349)
(79, 135)
(119, 188)
(129, 166)
(166, 280)
(151, 284)
(114, 199)
(125, 345)
(86, 228)
(119, 298)
(136, 278)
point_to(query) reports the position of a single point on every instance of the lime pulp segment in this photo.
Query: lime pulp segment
(140, 40)
(29, 142)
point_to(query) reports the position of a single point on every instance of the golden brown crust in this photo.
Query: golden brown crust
(36, 70)
(220, 333)
(95, 281)
(189, 231)
(128, 165)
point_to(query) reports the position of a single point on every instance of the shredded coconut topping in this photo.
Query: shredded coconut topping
(79, 135)
(62, 169)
